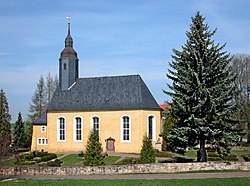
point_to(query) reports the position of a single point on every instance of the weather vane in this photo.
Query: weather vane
(68, 17)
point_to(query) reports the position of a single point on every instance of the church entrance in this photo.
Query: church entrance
(110, 144)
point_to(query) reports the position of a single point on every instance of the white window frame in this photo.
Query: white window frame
(75, 129)
(121, 129)
(43, 128)
(153, 126)
(92, 123)
(58, 129)
(42, 141)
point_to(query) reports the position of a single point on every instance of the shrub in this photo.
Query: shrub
(128, 161)
(231, 158)
(81, 154)
(163, 154)
(27, 163)
(214, 159)
(29, 156)
(212, 154)
(246, 158)
(41, 154)
(147, 154)
(37, 159)
(55, 163)
(93, 155)
(48, 157)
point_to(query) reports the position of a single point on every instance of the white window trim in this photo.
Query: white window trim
(45, 139)
(121, 129)
(74, 129)
(42, 128)
(58, 129)
(92, 123)
(153, 127)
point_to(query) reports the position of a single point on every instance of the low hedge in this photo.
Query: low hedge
(41, 154)
(48, 157)
(164, 154)
(231, 158)
(212, 154)
(214, 159)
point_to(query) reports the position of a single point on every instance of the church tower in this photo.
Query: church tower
(68, 63)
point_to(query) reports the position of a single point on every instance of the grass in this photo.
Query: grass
(240, 152)
(110, 160)
(8, 163)
(72, 160)
(75, 160)
(173, 182)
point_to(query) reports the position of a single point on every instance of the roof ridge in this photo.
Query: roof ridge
(94, 77)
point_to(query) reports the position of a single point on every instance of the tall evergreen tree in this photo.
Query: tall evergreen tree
(147, 151)
(38, 105)
(202, 92)
(5, 127)
(51, 85)
(19, 135)
(93, 155)
(40, 100)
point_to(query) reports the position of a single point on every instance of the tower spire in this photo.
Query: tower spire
(68, 17)
(68, 63)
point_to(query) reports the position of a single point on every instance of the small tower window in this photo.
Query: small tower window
(64, 66)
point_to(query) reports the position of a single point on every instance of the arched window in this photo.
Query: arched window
(125, 129)
(151, 127)
(64, 66)
(61, 128)
(96, 124)
(78, 129)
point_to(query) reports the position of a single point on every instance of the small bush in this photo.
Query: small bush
(37, 159)
(231, 158)
(210, 149)
(81, 154)
(246, 158)
(214, 159)
(27, 163)
(29, 156)
(163, 154)
(128, 161)
(50, 156)
(212, 154)
(55, 163)
(41, 154)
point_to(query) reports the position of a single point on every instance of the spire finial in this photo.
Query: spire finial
(68, 17)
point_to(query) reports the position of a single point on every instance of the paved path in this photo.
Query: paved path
(139, 176)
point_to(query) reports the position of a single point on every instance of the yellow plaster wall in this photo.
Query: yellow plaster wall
(37, 133)
(110, 126)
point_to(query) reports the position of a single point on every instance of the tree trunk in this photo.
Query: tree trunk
(201, 153)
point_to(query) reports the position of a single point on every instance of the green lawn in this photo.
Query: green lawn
(186, 182)
(75, 160)
(72, 160)
(241, 152)
(110, 160)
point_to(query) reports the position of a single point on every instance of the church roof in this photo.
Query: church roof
(104, 93)
(41, 120)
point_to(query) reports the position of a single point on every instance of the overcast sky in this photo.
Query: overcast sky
(111, 37)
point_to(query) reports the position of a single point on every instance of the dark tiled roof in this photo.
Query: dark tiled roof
(104, 93)
(42, 120)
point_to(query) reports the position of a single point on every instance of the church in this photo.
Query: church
(120, 108)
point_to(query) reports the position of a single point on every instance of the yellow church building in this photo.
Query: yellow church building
(120, 108)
